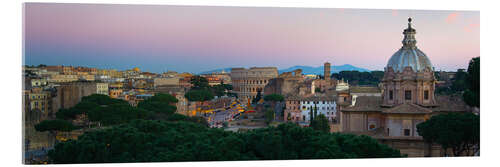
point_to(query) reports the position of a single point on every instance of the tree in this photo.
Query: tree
(54, 126)
(311, 115)
(472, 94)
(269, 115)
(199, 95)
(116, 114)
(458, 131)
(360, 78)
(321, 123)
(274, 97)
(160, 103)
(199, 82)
(162, 141)
(458, 83)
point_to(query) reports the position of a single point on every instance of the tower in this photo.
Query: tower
(409, 76)
(327, 71)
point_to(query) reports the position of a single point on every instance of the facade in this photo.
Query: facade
(38, 82)
(292, 109)
(102, 88)
(327, 71)
(60, 78)
(70, 94)
(407, 99)
(365, 91)
(247, 82)
(115, 90)
(325, 105)
(165, 81)
(286, 83)
(297, 109)
(39, 100)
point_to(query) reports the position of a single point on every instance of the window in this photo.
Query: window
(407, 132)
(303, 117)
(345, 98)
(391, 95)
(426, 95)
(407, 94)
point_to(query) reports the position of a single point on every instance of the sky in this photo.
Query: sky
(157, 38)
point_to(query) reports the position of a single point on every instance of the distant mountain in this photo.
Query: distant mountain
(320, 69)
(305, 69)
(217, 71)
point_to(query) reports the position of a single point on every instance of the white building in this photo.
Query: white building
(102, 88)
(325, 105)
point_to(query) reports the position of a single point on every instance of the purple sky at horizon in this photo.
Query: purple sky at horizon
(157, 38)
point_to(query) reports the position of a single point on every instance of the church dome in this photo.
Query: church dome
(409, 55)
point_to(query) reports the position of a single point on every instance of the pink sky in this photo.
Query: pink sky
(197, 38)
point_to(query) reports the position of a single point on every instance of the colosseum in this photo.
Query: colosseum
(247, 82)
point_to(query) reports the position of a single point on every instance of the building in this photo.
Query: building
(297, 108)
(38, 82)
(407, 99)
(286, 83)
(70, 94)
(327, 71)
(219, 77)
(115, 90)
(365, 91)
(102, 88)
(165, 81)
(39, 100)
(342, 86)
(60, 78)
(247, 82)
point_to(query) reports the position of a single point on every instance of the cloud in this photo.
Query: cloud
(451, 17)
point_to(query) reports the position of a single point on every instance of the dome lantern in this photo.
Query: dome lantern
(409, 55)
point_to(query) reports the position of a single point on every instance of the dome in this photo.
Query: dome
(414, 58)
(409, 55)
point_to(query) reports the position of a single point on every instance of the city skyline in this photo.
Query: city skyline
(203, 38)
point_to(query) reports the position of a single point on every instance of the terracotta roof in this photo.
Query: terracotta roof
(366, 103)
(373, 104)
(365, 89)
(407, 109)
(313, 97)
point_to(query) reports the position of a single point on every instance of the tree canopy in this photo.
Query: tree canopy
(274, 97)
(54, 126)
(472, 82)
(161, 141)
(320, 123)
(159, 103)
(199, 82)
(458, 131)
(202, 91)
(360, 78)
(199, 95)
